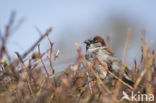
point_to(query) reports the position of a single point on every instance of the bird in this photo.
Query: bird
(97, 48)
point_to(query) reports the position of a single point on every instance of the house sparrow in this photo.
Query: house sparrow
(96, 48)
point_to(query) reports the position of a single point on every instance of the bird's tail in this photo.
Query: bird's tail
(130, 82)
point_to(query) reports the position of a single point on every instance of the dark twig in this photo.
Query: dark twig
(37, 42)
(43, 62)
(6, 35)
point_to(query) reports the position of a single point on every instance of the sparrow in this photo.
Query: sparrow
(96, 48)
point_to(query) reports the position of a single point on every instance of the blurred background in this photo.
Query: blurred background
(76, 21)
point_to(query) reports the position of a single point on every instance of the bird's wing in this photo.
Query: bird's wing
(108, 51)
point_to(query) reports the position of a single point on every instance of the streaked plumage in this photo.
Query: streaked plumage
(96, 48)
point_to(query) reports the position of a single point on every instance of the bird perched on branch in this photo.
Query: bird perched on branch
(96, 48)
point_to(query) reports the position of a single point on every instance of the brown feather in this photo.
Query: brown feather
(100, 40)
(109, 52)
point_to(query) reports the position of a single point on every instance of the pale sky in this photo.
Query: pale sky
(71, 15)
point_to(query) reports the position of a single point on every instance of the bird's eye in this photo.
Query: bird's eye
(94, 41)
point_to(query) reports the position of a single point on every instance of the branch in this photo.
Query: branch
(37, 42)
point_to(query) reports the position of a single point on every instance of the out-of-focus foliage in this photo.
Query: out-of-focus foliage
(33, 79)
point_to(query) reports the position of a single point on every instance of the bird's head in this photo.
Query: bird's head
(96, 41)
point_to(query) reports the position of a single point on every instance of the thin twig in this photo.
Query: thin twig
(43, 62)
(126, 46)
(7, 34)
(147, 61)
(99, 81)
(37, 42)
(118, 84)
(26, 70)
(105, 67)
